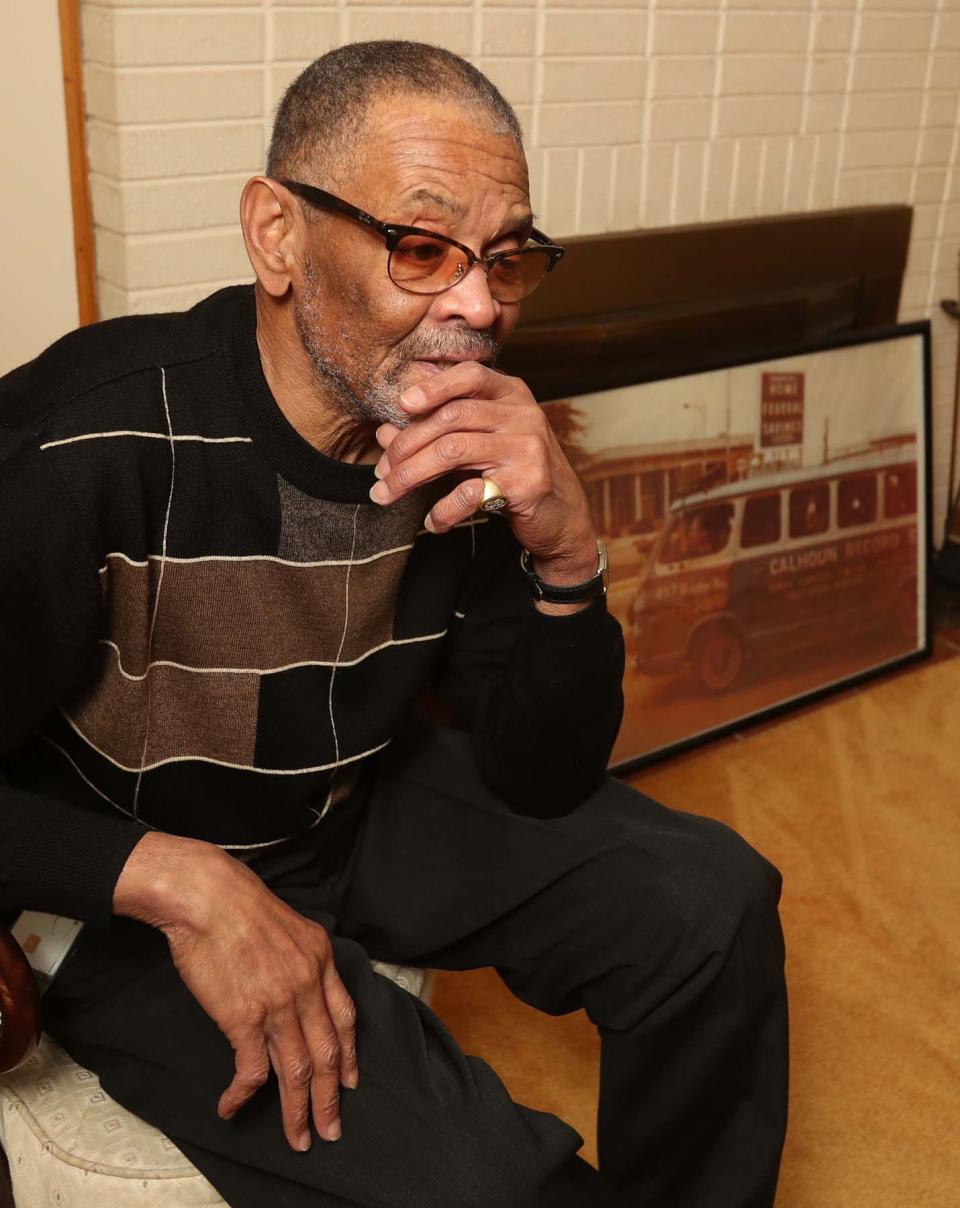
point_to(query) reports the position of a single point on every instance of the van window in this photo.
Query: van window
(697, 533)
(761, 521)
(809, 510)
(900, 492)
(856, 500)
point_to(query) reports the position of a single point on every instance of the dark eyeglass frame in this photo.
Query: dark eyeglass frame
(393, 232)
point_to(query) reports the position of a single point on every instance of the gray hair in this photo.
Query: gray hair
(329, 100)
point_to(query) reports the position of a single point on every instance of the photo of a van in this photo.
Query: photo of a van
(768, 530)
(769, 564)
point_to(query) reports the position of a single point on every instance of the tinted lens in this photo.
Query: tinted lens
(424, 265)
(517, 275)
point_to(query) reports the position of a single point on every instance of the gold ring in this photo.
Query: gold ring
(493, 499)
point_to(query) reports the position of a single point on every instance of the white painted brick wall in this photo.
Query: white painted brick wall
(637, 112)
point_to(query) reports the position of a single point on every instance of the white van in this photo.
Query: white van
(776, 562)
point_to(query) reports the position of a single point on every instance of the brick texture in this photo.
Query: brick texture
(637, 113)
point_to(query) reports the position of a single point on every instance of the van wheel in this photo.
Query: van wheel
(717, 658)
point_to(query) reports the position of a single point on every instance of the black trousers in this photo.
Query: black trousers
(662, 925)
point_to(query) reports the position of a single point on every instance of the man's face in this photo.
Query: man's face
(427, 163)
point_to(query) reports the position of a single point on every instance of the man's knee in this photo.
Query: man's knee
(683, 889)
(701, 867)
(747, 881)
(728, 894)
(712, 917)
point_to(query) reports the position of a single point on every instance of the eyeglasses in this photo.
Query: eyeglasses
(423, 262)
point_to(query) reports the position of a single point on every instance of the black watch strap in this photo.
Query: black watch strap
(574, 593)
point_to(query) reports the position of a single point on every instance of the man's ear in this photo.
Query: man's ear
(272, 229)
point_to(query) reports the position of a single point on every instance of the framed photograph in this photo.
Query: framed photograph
(768, 526)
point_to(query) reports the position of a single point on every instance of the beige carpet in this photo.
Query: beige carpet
(857, 800)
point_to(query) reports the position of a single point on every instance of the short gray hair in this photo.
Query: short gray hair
(329, 100)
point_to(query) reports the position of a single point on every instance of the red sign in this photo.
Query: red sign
(781, 409)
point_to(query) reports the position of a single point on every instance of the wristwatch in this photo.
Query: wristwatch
(575, 593)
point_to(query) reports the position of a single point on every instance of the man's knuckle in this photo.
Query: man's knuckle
(327, 1102)
(253, 1078)
(302, 972)
(282, 997)
(299, 1072)
(327, 1058)
(472, 374)
(464, 496)
(252, 1018)
(346, 1013)
(451, 415)
(451, 448)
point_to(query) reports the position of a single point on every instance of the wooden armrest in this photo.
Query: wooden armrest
(19, 1004)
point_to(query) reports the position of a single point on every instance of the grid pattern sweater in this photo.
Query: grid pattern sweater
(207, 628)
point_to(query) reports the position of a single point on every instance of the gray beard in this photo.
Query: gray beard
(376, 401)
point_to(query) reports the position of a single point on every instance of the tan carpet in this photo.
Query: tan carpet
(856, 800)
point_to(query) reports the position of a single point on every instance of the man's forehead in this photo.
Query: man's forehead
(441, 153)
(456, 208)
(433, 197)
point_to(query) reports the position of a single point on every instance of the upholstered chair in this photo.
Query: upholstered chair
(64, 1140)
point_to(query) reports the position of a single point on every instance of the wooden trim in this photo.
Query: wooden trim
(83, 246)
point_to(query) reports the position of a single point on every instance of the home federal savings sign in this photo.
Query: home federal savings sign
(781, 409)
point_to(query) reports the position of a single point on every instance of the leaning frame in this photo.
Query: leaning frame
(769, 527)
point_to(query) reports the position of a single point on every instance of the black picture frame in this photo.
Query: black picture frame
(728, 532)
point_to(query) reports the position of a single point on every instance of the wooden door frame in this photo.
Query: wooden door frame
(83, 245)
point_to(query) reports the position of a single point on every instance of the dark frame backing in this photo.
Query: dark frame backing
(635, 306)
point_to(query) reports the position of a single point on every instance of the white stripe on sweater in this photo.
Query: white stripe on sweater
(425, 637)
(207, 440)
(220, 763)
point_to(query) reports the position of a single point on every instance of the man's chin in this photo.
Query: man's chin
(412, 373)
(390, 412)
(384, 411)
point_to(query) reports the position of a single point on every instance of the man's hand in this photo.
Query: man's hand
(469, 417)
(262, 972)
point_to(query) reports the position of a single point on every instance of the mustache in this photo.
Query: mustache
(444, 346)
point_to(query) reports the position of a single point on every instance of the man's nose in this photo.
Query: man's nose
(470, 299)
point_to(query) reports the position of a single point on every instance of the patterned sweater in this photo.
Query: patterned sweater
(207, 628)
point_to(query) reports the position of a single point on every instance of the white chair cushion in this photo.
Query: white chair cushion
(69, 1145)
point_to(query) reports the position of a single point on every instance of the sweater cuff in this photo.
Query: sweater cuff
(63, 859)
(558, 648)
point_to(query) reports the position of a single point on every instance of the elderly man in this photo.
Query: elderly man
(239, 545)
